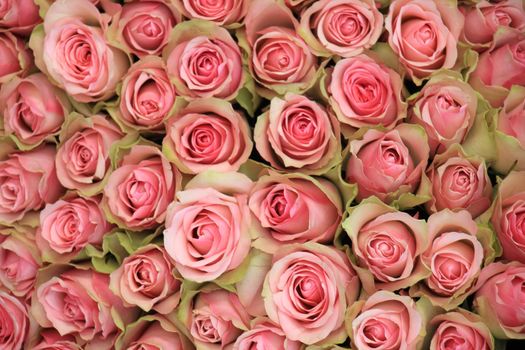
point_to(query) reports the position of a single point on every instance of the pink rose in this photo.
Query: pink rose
(19, 16)
(14, 322)
(298, 133)
(33, 109)
(265, 335)
(52, 340)
(28, 181)
(146, 279)
(208, 227)
(138, 192)
(500, 299)
(147, 95)
(143, 27)
(386, 246)
(366, 93)
(424, 34)
(388, 164)
(288, 206)
(307, 291)
(73, 51)
(203, 61)
(459, 182)
(68, 225)
(207, 134)
(16, 58)
(341, 27)
(387, 321)
(82, 159)
(224, 12)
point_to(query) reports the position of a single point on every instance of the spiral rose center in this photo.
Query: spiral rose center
(381, 333)
(503, 18)
(152, 27)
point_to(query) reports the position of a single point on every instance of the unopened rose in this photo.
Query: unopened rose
(265, 335)
(19, 16)
(14, 322)
(16, 58)
(223, 12)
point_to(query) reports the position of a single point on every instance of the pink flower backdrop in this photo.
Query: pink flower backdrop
(262, 174)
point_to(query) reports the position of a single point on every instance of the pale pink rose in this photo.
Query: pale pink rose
(298, 133)
(387, 164)
(217, 319)
(82, 159)
(307, 291)
(28, 181)
(223, 12)
(207, 228)
(19, 16)
(424, 34)
(144, 27)
(387, 321)
(511, 118)
(16, 58)
(341, 27)
(460, 330)
(386, 245)
(204, 61)
(366, 93)
(68, 225)
(146, 279)
(73, 51)
(265, 335)
(139, 190)
(208, 134)
(500, 300)
(459, 182)
(14, 322)
(33, 108)
(52, 340)
(288, 206)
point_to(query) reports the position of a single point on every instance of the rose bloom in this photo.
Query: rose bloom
(82, 159)
(459, 182)
(204, 61)
(217, 319)
(388, 164)
(147, 95)
(287, 207)
(33, 108)
(143, 27)
(265, 335)
(52, 340)
(224, 12)
(446, 107)
(68, 225)
(28, 181)
(424, 35)
(207, 228)
(341, 27)
(16, 58)
(14, 322)
(500, 299)
(298, 133)
(146, 279)
(19, 16)
(138, 192)
(73, 51)
(386, 245)
(366, 93)
(207, 134)
(460, 330)
(307, 291)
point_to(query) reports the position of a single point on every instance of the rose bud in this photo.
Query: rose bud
(298, 133)
(460, 330)
(387, 321)
(388, 164)
(16, 58)
(307, 291)
(28, 181)
(265, 335)
(146, 279)
(386, 246)
(500, 299)
(14, 322)
(204, 61)
(208, 227)
(366, 93)
(459, 182)
(287, 207)
(139, 190)
(82, 159)
(424, 35)
(208, 134)
(33, 109)
(19, 16)
(341, 27)
(224, 12)
(52, 340)
(72, 50)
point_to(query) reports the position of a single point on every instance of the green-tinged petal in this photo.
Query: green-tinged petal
(480, 139)
(489, 240)
(227, 183)
(228, 279)
(382, 52)
(107, 258)
(253, 169)
(250, 287)
(248, 97)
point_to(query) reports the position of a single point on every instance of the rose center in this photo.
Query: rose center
(151, 28)
(503, 18)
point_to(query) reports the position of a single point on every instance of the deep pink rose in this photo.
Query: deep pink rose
(14, 322)
(223, 12)
(16, 58)
(19, 16)
(265, 335)
(460, 330)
